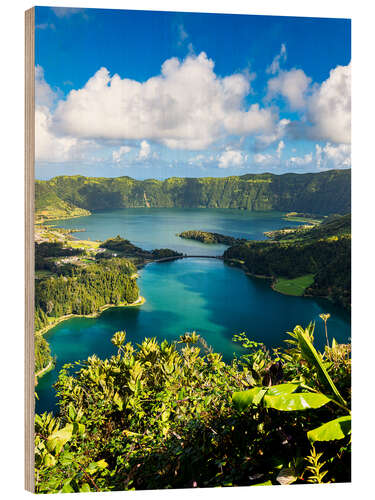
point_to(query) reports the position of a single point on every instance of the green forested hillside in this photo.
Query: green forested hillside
(48, 205)
(83, 290)
(324, 192)
(331, 227)
(324, 251)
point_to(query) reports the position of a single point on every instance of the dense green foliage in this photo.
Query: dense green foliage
(324, 192)
(46, 250)
(324, 251)
(42, 353)
(334, 278)
(164, 253)
(209, 238)
(127, 249)
(48, 205)
(332, 226)
(174, 415)
(285, 260)
(123, 246)
(83, 290)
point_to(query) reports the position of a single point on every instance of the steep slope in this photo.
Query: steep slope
(323, 192)
(48, 205)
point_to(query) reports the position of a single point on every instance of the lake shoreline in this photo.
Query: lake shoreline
(139, 302)
(62, 217)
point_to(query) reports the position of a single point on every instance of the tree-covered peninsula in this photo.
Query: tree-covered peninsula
(119, 246)
(81, 281)
(76, 277)
(323, 192)
(322, 252)
(209, 238)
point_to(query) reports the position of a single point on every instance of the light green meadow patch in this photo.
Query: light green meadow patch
(84, 244)
(296, 286)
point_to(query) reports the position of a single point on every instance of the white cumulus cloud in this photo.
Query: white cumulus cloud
(44, 95)
(119, 153)
(264, 159)
(186, 107)
(293, 85)
(231, 158)
(300, 161)
(329, 107)
(265, 140)
(325, 108)
(144, 150)
(331, 156)
(50, 147)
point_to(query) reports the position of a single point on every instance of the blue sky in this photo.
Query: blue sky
(155, 94)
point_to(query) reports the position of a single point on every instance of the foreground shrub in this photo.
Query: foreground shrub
(174, 415)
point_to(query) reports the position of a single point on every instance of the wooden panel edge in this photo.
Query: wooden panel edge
(29, 246)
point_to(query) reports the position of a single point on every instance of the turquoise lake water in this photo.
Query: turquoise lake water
(204, 295)
(158, 227)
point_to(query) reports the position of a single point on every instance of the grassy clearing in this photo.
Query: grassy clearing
(313, 222)
(87, 261)
(84, 244)
(295, 286)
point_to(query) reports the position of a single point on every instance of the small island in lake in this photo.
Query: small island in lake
(210, 238)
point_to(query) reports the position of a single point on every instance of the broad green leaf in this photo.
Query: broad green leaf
(78, 428)
(258, 397)
(57, 439)
(102, 464)
(49, 460)
(311, 355)
(293, 402)
(334, 429)
(66, 458)
(277, 390)
(255, 395)
(85, 488)
(165, 415)
(118, 401)
(72, 412)
(67, 487)
(243, 399)
(92, 468)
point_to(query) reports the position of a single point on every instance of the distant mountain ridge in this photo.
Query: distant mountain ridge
(323, 192)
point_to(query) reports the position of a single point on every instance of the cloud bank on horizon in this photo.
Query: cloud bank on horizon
(190, 118)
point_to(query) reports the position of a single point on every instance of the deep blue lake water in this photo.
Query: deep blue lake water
(205, 295)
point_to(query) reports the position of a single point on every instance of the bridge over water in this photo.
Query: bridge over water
(175, 257)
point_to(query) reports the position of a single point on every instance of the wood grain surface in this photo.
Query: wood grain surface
(29, 245)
